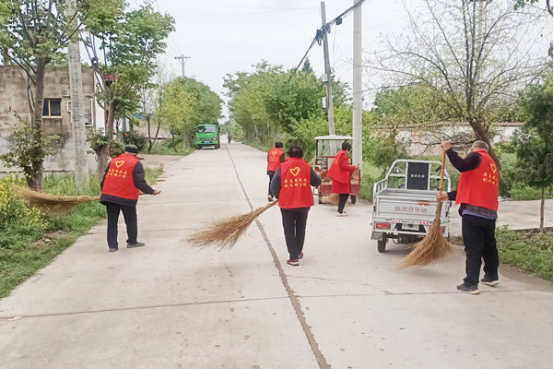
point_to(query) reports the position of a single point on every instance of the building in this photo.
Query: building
(14, 108)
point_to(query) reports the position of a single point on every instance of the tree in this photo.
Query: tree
(128, 43)
(33, 35)
(534, 142)
(521, 3)
(206, 107)
(177, 110)
(307, 66)
(474, 54)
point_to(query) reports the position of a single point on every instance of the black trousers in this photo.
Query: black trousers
(130, 216)
(270, 174)
(294, 224)
(343, 197)
(479, 243)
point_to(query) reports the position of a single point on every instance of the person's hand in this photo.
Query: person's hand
(442, 196)
(446, 145)
(156, 192)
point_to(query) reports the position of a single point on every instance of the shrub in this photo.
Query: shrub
(133, 138)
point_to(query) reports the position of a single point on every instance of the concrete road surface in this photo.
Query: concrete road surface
(168, 305)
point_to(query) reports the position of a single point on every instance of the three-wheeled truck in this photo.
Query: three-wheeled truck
(326, 149)
(404, 202)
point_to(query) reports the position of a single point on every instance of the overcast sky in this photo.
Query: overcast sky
(226, 36)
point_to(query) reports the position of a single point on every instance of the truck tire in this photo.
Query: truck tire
(199, 147)
(381, 244)
(217, 147)
(353, 199)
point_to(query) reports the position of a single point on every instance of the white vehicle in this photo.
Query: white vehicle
(404, 203)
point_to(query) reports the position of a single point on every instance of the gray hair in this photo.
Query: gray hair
(480, 145)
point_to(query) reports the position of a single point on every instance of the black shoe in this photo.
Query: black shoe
(489, 281)
(113, 249)
(136, 244)
(469, 289)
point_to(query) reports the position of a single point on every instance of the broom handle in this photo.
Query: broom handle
(439, 203)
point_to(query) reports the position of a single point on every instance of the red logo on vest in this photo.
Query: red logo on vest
(479, 187)
(296, 191)
(119, 180)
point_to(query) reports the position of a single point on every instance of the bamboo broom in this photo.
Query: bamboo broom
(225, 233)
(434, 246)
(52, 204)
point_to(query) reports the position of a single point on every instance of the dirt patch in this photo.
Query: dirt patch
(47, 239)
(153, 161)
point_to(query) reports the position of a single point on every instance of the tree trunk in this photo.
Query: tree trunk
(35, 177)
(102, 154)
(77, 103)
(542, 211)
(150, 141)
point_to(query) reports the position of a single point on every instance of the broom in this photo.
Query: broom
(52, 204)
(434, 246)
(225, 233)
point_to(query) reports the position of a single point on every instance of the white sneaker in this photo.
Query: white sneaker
(343, 214)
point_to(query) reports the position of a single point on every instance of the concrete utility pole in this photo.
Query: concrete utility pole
(77, 101)
(357, 87)
(330, 110)
(182, 60)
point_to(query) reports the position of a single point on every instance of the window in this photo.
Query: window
(52, 108)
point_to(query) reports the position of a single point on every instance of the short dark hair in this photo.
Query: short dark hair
(131, 149)
(296, 152)
(346, 146)
(279, 144)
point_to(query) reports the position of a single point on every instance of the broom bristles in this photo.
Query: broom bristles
(433, 248)
(224, 233)
(53, 204)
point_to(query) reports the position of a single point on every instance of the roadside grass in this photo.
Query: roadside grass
(27, 246)
(530, 251)
(165, 148)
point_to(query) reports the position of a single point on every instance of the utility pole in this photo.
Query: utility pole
(357, 87)
(182, 60)
(330, 111)
(77, 101)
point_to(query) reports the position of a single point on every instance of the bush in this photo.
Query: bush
(520, 192)
(14, 212)
(530, 251)
(133, 138)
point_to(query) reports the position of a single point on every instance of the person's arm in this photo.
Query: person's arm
(443, 196)
(276, 183)
(471, 161)
(282, 157)
(315, 180)
(104, 178)
(140, 180)
(344, 164)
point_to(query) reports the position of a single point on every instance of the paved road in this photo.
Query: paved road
(346, 306)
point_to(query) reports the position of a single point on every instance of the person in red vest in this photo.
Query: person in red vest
(292, 186)
(340, 172)
(478, 195)
(122, 181)
(275, 157)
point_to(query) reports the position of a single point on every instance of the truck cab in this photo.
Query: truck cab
(207, 134)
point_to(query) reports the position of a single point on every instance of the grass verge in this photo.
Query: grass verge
(25, 249)
(530, 251)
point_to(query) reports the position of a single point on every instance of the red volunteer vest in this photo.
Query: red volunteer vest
(296, 191)
(336, 172)
(479, 187)
(119, 179)
(274, 159)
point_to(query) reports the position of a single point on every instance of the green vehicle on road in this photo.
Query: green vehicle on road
(207, 134)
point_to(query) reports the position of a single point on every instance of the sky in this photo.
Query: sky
(226, 36)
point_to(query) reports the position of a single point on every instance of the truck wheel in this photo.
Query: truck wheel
(319, 198)
(381, 244)
(217, 147)
(353, 199)
(199, 147)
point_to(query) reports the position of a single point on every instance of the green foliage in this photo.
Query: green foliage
(31, 241)
(530, 251)
(534, 141)
(133, 138)
(206, 105)
(29, 148)
(98, 142)
(520, 192)
(169, 147)
(176, 108)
